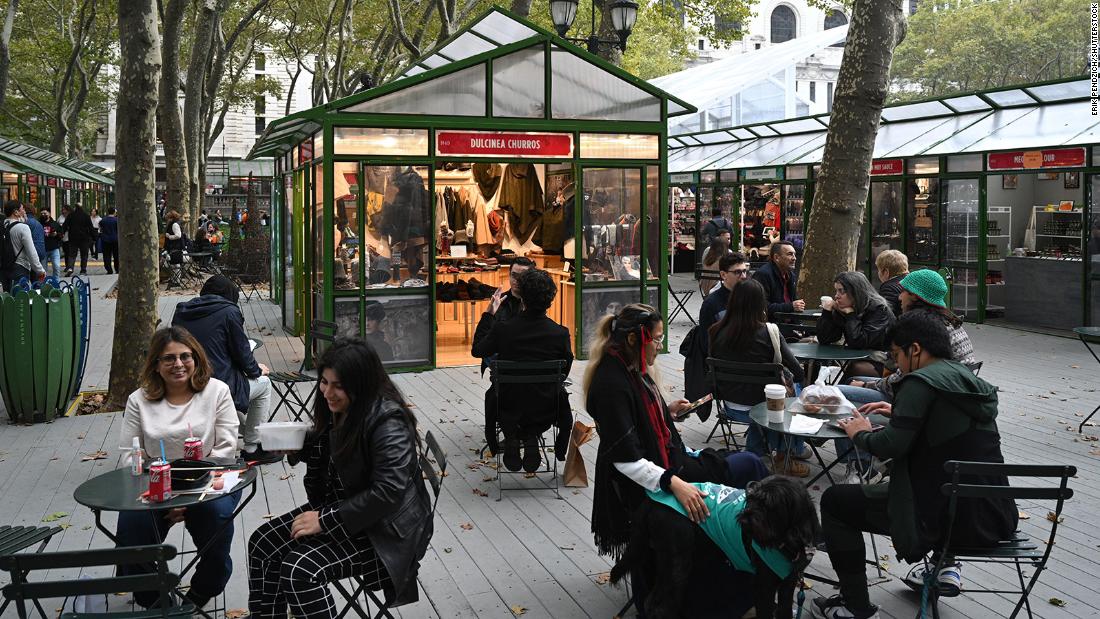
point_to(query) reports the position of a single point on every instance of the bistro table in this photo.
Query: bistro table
(1089, 336)
(120, 491)
(808, 353)
(759, 416)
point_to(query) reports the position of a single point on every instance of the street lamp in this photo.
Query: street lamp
(624, 14)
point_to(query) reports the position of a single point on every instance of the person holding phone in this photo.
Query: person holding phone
(941, 412)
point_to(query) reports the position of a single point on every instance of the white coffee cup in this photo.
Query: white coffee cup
(826, 303)
(777, 400)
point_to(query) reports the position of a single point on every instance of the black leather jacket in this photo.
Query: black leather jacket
(386, 498)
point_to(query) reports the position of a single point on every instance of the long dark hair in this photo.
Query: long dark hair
(859, 288)
(746, 312)
(365, 381)
(949, 317)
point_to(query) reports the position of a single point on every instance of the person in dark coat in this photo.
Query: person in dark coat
(368, 512)
(526, 411)
(779, 281)
(717, 224)
(108, 233)
(78, 225)
(942, 412)
(53, 233)
(215, 319)
(374, 314)
(861, 317)
(732, 269)
(892, 267)
(505, 304)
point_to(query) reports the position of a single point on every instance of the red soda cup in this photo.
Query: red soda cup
(160, 481)
(192, 448)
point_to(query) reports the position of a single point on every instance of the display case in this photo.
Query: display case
(684, 219)
(998, 246)
(759, 220)
(961, 233)
(1058, 232)
(924, 216)
(794, 202)
(885, 221)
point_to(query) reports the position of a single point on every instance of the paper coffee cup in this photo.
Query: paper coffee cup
(776, 397)
(827, 303)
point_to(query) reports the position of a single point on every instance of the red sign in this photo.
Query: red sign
(67, 184)
(51, 182)
(486, 143)
(305, 151)
(1051, 158)
(887, 167)
(32, 179)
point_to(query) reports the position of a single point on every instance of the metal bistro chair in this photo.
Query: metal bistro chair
(1017, 550)
(432, 451)
(285, 383)
(725, 374)
(530, 373)
(175, 271)
(160, 580)
(16, 539)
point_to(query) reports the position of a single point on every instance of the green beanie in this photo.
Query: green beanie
(928, 285)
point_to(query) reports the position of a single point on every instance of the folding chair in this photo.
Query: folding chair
(726, 374)
(681, 297)
(175, 271)
(160, 579)
(285, 383)
(432, 451)
(530, 373)
(16, 539)
(1017, 550)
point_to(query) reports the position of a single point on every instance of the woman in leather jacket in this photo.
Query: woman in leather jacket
(368, 515)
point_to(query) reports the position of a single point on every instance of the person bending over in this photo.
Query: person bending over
(941, 412)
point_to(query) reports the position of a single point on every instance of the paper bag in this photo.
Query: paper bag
(575, 474)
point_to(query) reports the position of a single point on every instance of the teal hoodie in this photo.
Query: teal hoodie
(941, 412)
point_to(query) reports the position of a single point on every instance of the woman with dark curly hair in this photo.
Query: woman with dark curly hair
(529, 410)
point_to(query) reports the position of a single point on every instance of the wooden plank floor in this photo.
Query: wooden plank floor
(533, 550)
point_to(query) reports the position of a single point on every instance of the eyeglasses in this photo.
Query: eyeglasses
(742, 273)
(659, 341)
(183, 357)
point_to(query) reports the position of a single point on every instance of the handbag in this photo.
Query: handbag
(575, 475)
(777, 357)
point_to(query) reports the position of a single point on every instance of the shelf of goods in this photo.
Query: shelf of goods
(1058, 232)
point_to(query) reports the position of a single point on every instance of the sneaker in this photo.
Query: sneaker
(781, 465)
(948, 581)
(532, 455)
(259, 456)
(511, 458)
(834, 608)
(805, 454)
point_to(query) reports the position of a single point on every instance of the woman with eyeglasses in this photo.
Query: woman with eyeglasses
(858, 314)
(179, 397)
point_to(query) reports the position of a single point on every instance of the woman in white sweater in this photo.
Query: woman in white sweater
(178, 396)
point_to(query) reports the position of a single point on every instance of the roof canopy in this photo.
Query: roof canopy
(1050, 114)
(501, 66)
(28, 159)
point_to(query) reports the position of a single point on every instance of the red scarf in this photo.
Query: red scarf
(654, 408)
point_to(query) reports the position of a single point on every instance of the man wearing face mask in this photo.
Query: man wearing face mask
(941, 412)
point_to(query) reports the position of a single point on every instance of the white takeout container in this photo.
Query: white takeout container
(283, 435)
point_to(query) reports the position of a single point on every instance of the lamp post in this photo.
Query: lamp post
(624, 13)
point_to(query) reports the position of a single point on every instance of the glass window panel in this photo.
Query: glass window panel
(399, 329)
(969, 103)
(743, 134)
(1034, 127)
(461, 93)
(465, 46)
(1055, 92)
(376, 141)
(619, 146)
(794, 203)
(318, 226)
(1094, 250)
(582, 90)
(924, 165)
(798, 126)
(397, 214)
(291, 205)
(319, 144)
(708, 177)
(915, 110)
(502, 29)
(1010, 97)
(885, 220)
(960, 233)
(414, 70)
(346, 316)
(653, 223)
(611, 221)
(682, 212)
(964, 163)
(796, 172)
(728, 176)
(518, 84)
(784, 24)
(599, 302)
(345, 191)
(759, 219)
(434, 61)
(713, 138)
(924, 215)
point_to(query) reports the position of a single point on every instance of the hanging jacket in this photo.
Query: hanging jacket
(406, 215)
(487, 176)
(521, 196)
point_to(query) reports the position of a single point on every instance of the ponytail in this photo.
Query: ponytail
(611, 333)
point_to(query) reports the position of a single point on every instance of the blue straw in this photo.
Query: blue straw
(163, 458)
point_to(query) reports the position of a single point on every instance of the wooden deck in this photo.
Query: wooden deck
(533, 551)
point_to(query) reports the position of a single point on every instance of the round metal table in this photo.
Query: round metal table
(1088, 336)
(810, 353)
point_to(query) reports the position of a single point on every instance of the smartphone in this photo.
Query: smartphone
(875, 427)
(695, 406)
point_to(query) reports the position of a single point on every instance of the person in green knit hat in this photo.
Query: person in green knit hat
(941, 412)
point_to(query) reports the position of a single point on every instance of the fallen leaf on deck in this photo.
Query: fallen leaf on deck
(1060, 603)
(448, 549)
(529, 475)
(99, 455)
(54, 458)
(64, 526)
(1025, 516)
(517, 610)
(267, 516)
(466, 526)
(1051, 516)
(488, 479)
(603, 578)
(567, 547)
(473, 466)
(286, 477)
(1075, 366)
(236, 613)
(54, 517)
(480, 492)
(80, 436)
(85, 528)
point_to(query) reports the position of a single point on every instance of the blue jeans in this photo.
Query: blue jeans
(202, 522)
(762, 440)
(53, 257)
(858, 396)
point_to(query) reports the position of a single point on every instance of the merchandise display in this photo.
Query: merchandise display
(924, 208)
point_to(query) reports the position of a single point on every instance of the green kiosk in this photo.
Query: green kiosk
(399, 209)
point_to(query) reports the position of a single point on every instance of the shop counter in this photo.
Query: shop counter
(1043, 292)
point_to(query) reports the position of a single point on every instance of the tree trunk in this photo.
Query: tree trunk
(195, 91)
(840, 197)
(521, 7)
(5, 48)
(168, 110)
(135, 158)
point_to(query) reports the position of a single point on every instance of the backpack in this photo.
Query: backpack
(8, 255)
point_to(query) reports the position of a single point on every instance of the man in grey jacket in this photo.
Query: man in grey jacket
(22, 259)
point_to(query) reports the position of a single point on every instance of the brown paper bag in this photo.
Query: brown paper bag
(575, 474)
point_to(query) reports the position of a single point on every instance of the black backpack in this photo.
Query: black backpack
(8, 255)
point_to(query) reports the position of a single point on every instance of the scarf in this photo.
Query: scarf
(653, 407)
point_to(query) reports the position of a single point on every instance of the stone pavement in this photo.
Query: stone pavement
(532, 552)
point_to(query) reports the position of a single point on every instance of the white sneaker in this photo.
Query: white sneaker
(949, 580)
(834, 608)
